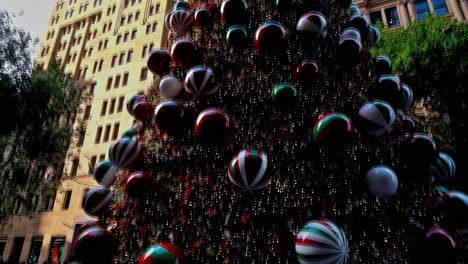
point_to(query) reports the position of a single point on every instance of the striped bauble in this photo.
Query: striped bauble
(444, 168)
(377, 118)
(105, 172)
(321, 241)
(124, 152)
(408, 97)
(200, 80)
(180, 20)
(248, 169)
(96, 200)
(314, 23)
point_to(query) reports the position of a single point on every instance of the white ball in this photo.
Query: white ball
(169, 87)
(382, 181)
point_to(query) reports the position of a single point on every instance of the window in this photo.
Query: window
(115, 132)
(103, 108)
(35, 250)
(151, 11)
(151, 46)
(144, 74)
(57, 247)
(122, 21)
(155, 26)
(118, 40)
(114, 61)
(109, 83)
(440, 8)
(100, 64)
(121, 104)
(126, 36)
(98, 135)
(3, 241)
(392, 17)
(375, 17)
(74, 168)
(81, 137)
(134, 33)
(422, 9)
(158, 8)
(148, 29)
(144, 51)
(130, 19)
(92, 88)
(112, 106)
(66, 200)
(100, 45)
(87, 112)
(129, 56)
(125, 79)
(102, 157)
(122, 58)
(90, 52)
(92, 161)
(137, 15)
(107, 133)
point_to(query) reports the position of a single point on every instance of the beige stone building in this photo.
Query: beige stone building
(105, 42)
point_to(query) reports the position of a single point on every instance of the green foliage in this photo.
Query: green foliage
(434, 44)
(42, 105)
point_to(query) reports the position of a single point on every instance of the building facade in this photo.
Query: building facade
(105, 43)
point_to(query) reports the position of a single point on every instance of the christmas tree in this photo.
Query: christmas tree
(272, 136)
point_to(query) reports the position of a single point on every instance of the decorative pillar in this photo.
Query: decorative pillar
(404, 14)
(411, 11)
(464, 6)
(26, 248)
(457, 12)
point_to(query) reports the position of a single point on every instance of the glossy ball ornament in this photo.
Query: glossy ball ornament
(180, 20)
(455, 207)
(143, 110)
(350, 32)
(200, 80)
(213, 126)
(382, 181)
(419, 152)
(444, 168)
(386, 88)
(168, 117)
(270, 37)
(96, 201)
(182, 5)
(353, 10)
(408, 97)
(158, 62)
(86, 225)
(333, 130)
(94, 245)
(164, 253)
(124, 153)
(183, 53)
(381, 65)
(361, 23)
(409, 125)
(167, 19)
(321, 241)
(248, 170)
(202, 16)
(349, 50)
(169, 87)
(105, 172)
(137, 184)
(133, 101)
(130, 133)
(284, 95)
(237, 37)
(374, 36)
(377, 118)
(437, 246)
(234, 12)
(307, 71)
(313, 23)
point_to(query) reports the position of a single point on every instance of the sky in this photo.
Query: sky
(35, 14)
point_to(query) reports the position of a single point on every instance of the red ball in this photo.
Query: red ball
(137, 184)
(270, 37)
(94, 245)
(213, 125)
(234, 12)
(143, 110)
(202, 16)
(307, 71)
(158, 62)
(183, 53)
